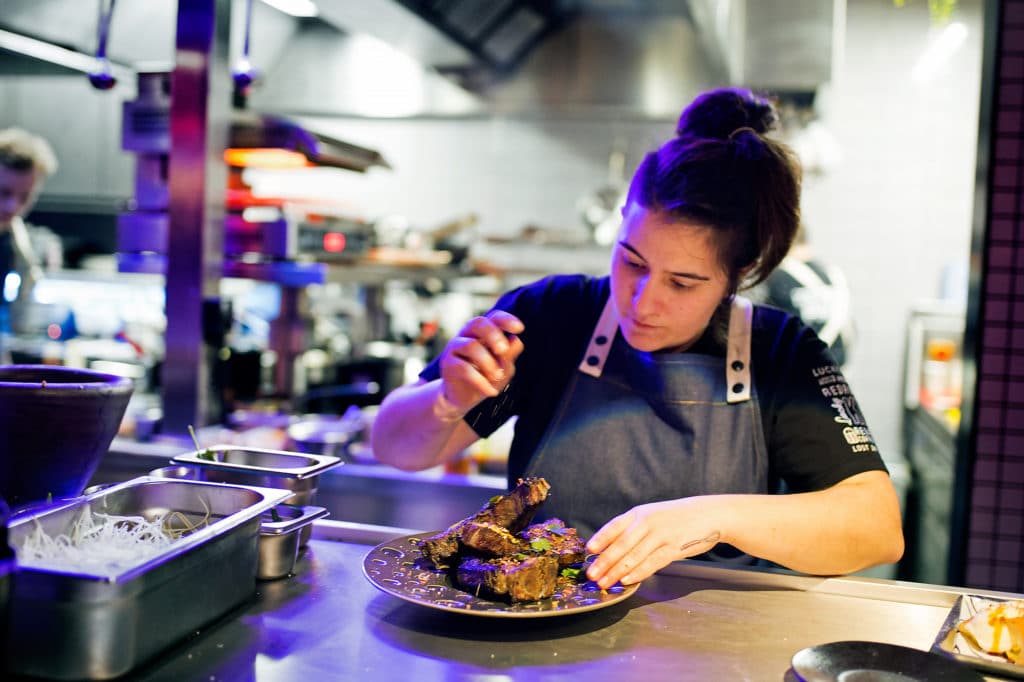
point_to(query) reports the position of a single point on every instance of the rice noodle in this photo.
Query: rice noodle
(104, 544)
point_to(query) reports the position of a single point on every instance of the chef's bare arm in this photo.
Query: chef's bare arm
(850, 526)
(422, 425)
(410, 433)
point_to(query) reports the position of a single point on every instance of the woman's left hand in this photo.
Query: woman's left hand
(634, 545)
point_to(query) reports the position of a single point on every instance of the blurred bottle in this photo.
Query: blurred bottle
(941, 381)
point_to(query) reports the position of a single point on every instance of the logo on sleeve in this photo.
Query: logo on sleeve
(855, 429)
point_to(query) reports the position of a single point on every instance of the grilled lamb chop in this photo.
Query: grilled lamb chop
(512, 512)
(557, 540)
(515, 510)
(491, 539)
(521, 579)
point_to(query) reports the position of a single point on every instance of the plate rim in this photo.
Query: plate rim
(626, 592)
(902, 648)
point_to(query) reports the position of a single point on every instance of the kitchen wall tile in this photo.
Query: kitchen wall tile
(998, 444)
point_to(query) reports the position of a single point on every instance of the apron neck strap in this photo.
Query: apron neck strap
(600, 341)
(737, 365)
(737, 359)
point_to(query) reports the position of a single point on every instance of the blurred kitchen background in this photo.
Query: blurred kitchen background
(439, 152)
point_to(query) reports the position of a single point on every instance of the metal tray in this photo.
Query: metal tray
(107, 624)
(281, 540)
(950, 641)
(295, 471)
(259, 461)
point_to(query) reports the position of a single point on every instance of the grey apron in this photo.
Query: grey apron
(635, 427)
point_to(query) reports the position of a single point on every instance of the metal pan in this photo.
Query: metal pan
(282, 537)
(294, 471)
(107, 622)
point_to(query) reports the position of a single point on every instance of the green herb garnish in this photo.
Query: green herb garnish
(570, 572)
(495, 500)
(275, 516)
(540, 544)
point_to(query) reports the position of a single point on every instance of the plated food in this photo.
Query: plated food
(985, 633)
(494, 563)
(496, 551)
(998, 629)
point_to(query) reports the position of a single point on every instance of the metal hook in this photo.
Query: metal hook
(243, 73)
(103, 77)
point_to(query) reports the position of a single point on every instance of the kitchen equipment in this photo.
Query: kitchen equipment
(243, 74)
(102, 78)
(284, 530)
(298, 473)
(56, 423)
(107, 624)
(327, 434)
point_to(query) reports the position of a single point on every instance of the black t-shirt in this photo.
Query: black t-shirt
(814, 430)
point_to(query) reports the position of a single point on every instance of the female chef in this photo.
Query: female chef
(671, 417)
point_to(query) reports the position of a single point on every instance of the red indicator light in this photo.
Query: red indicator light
(334, 242)
(53, 331)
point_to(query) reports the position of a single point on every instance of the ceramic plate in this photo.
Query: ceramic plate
(952, 642)
(398, 568)
(857, 661)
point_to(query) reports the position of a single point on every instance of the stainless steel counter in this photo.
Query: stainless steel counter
(690, 622)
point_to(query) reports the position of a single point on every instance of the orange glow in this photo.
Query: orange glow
(264, 158)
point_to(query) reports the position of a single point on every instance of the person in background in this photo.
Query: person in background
(816, 291)
(26, 161)
(666, 411)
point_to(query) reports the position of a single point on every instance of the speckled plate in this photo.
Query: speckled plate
(398, 568)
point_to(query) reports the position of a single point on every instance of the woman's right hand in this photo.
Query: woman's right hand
(479, 362)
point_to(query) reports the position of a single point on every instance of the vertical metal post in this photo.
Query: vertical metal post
(287, 339)
(200, 111)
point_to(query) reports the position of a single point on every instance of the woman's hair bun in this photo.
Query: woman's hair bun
(719, 113)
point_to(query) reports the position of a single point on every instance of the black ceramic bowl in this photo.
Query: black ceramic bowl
(56, 423)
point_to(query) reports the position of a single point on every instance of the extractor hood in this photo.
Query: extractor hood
(620, 57)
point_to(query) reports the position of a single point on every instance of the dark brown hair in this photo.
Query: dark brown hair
(722, 171)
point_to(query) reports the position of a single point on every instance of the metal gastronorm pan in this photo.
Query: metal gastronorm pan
(281, 540)
(295, 471)
(75, 625)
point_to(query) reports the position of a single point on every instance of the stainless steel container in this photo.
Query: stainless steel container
(283, 536)
(74, 624)
(294, 471)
